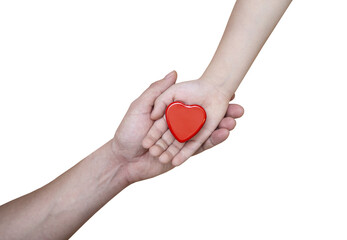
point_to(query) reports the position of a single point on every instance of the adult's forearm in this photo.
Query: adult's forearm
(60, 208)
(250, 24)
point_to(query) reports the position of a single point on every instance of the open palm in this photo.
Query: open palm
(137, 161)
(159, 139)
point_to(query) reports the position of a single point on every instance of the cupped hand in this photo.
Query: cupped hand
(220, 115)
(137, 163)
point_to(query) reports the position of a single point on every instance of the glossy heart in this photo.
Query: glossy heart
(184, 121)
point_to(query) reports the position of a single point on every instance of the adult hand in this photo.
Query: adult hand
(220, 118)
(137, 162)
(58, 209)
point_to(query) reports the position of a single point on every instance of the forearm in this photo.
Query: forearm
(250, 24)
(60, 208)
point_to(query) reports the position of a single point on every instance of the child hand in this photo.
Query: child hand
(161, 142)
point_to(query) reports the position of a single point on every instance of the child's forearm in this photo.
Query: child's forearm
(250, 24)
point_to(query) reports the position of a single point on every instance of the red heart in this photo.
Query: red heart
(184, 121)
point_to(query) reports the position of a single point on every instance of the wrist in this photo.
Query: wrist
(219, 84)
(112, 166)
(123, 158)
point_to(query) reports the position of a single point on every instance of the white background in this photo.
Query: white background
(70, 69)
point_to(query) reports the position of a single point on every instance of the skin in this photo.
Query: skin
(250, 24)
(60, 208)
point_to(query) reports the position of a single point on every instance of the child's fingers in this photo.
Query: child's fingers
(171, 152)
(186, 152)
(154, 134)
(227, 124)
(162, 144)
(205, 139)
(191, 147)
(217, 137)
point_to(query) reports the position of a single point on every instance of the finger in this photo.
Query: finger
(228, 123)
(171, 152)
(191, 147)
(154, 134)
(161, 104)
(148, 97)
(234, 111)
(217, 137)
(162, 144)
(232, 97)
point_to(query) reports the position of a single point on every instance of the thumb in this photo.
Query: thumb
(149, 96)
(161, 104)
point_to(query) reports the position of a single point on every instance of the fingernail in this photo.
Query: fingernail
(169, 74)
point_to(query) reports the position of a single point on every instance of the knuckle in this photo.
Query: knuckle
(170, 153)
(151, 137)
(162, 144)
(176, 146)
(154, 84)
(167, 137)
(134, 103)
